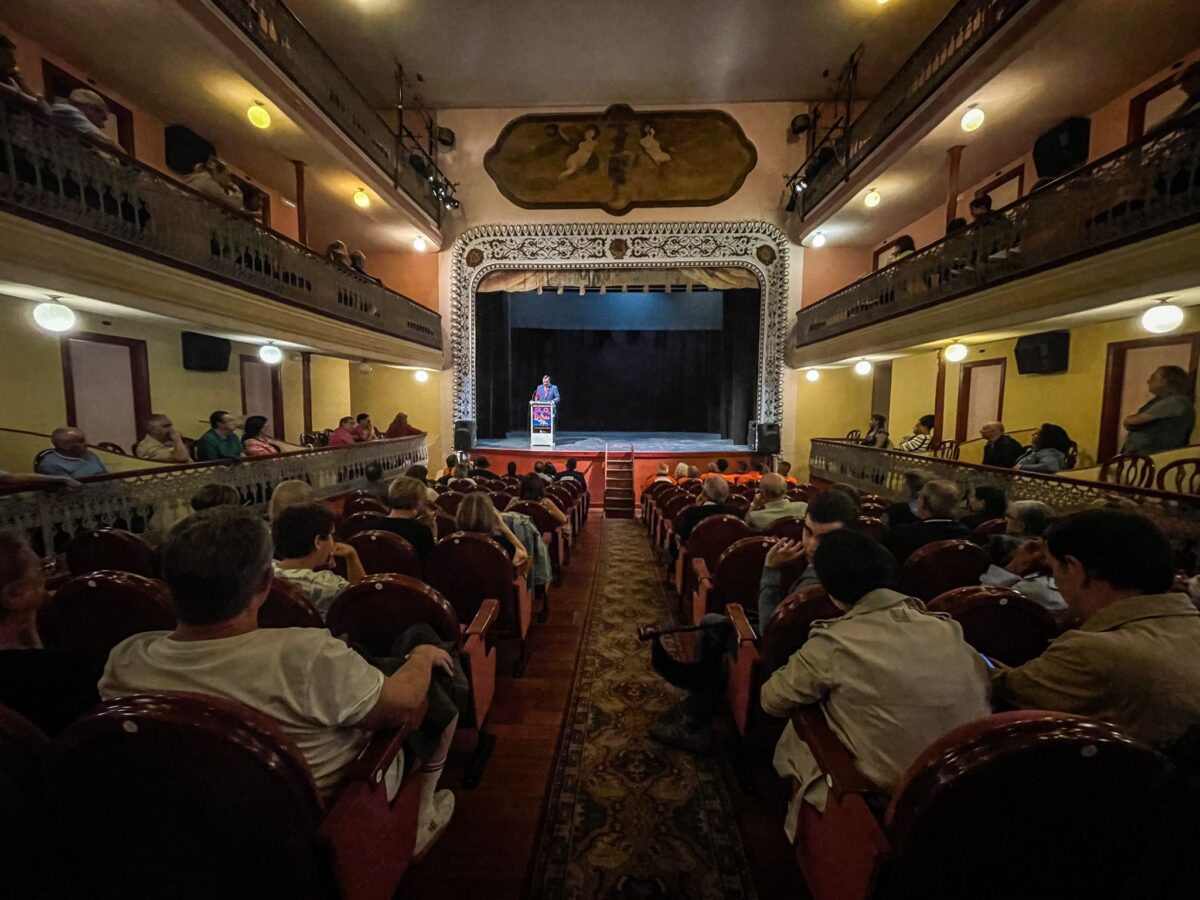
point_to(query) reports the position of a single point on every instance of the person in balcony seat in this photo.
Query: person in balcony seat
(253, 441)
(982, 213)
(937, 509)
(1048, 453)
(400, 427)
(904, 246)
(889, 676)
(221, 441)
(346, 434)
(84, 112)
(877, 433)
(1132, 660)
(1166, 420)
(919, 440)
(771, 503)
(306, 547)
(324, 695)
(213, 179)
(162, 443)
(71, 457)
(411, 516)
(1001, 450)
(338, 253)
(1189, 83)
(12, 81)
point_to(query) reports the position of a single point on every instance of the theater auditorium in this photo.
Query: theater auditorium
(606, 451)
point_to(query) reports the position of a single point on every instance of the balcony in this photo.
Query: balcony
(1144, 189)
(66, 181)
(276, 32)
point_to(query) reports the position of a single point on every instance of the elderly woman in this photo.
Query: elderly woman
(478, 514)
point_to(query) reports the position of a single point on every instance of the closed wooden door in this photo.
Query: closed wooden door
(980, 397)
(262, 394)
(107, 386)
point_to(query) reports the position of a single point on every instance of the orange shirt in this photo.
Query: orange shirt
(749, 478)
(656, 477)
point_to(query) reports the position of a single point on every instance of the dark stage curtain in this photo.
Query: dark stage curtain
(620, 380)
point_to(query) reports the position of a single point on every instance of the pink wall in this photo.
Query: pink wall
(831, 268)
(413, 274)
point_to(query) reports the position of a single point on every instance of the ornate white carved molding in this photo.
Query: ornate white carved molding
(758, 246)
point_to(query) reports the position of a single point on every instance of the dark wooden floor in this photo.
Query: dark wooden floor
(487, 851)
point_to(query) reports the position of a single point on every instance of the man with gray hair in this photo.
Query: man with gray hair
(71, 457)
(772, 503)
(84, 112)
(1001, 450)
(711, 501)
(937, 510)
(325, 696)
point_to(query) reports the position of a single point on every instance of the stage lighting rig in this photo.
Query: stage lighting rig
(420, 149)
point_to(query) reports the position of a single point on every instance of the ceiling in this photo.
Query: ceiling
(536, 53)
(1082, 57)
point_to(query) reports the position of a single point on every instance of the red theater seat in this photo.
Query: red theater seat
(999, 622)
(112, 549)
(985, 530)
(940, 567)
(95, 612)
(463, 485)
(735, 577)
(501, 499)
(871, 526)
(666, 516)
(551, 531)
(358, 522)
(287, 606)
(790, 527)
(360, 503)
(708, 540)
(28, 849)
(448, 502)
(446, 524)
(1131, 469)
(383, 552)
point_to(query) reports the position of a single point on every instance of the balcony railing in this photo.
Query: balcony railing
(1143, 189)
(882, 472)
(54, 176)
(278, 34)
(150, 501)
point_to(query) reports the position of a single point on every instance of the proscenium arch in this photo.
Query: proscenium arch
(758, 246)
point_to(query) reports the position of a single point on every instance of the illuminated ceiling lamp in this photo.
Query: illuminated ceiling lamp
(972, 118)
(54, 317)
(1162, 317)
(362, 199)
(817, 240)
(812, 375)
(871, 200)
(258, 115)
(419, 244)
(956, 352)
(863, 367)
(270, 354)
(421, 375)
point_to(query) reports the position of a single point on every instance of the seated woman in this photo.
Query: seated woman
(1049, 452)
(51, 688)
(533, 489)
(253, 442)
(986, 503)
(306, 548)
(215, 495)
(289, 493)
(877, 435)
(478, 514)
(1028, 572)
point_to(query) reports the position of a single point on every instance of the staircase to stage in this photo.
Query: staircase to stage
(618, 483)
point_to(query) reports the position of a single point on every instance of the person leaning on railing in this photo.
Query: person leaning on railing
(220, 441)
(920, 439)
(162, 443)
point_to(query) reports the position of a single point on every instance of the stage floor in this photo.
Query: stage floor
(642, 441)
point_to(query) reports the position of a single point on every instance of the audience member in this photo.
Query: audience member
(51, 688)
(771, 502)
(540, 469)
(711, 501)
(533, 489)
(572, 472)
(375, 485)
(220, 441)
(482, 469)
(346, 434)
(1189, 83)
(400, 427)
(29, 482)
(785, 469)
(680, 473)
(1132, 660)
(982, 212)
(337, 253)
(1049, 451)
(662, 473)
(363, 428)
(986, 504)
(937, 509)
(1028, 572)
(478, 514)
(421, 473)
(325, 696)
(12, 82)
(254, 443)
(890, 677)
(1166, 420)
(955, 225)
(904, 246)
(877, 435)
(920, 439)
(693, 472)
(306, 548)
(510, 470)
(70, 457)
(288, 493)
(740, 471)
(162, 442)
(85, 113)
(549, 471)
(213, 179)
(850, 491)
(1023, 519)
(410, 515)
(215, 495)
(717, 467)
(358, 262)
(904, 512)
(1001, 450)
(451, 465)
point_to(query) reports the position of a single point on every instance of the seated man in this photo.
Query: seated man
(376, 486)
(400, 427)
(221, 440)
(306, 548)
(662, 473)
(1028, 572)
(572, 471)
(937, 509)
(481, 470)
(364, 428)
(85, 113)
(162, 442)
(1023, 520)
(771, 502)
(410, 516)
(346, 434)
(71, 457)
(709, 502)
(904, 512)
(1001, 450)
(325, 696)
(785, 469)
(890, 677)
(1133, 659)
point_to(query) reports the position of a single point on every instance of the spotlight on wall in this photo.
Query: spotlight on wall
(800, 185)
(972, 118)
(872, 198)
(446, 138)
(421, 375)
(258, 115)
(362, 199)
(55, 317)
(1162, 317)
(270, 354)
(956, 352)
(801, 124)
(812, 375)
(817, 240)
(863, 367)
(419, 244)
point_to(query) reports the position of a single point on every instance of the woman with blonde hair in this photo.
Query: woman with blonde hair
(477, 514)
(289, 493)
(681, 471)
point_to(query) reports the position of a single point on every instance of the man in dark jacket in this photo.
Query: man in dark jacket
(937, 509)
(1001, 450)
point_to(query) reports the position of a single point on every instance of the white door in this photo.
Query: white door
(258, 393)
(102, 391)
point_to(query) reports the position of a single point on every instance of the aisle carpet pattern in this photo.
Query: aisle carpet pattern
(626, 817)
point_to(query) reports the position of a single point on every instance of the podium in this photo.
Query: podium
(541, 423)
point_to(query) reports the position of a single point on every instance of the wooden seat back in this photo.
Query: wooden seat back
(1181, 476)
(1130, 469)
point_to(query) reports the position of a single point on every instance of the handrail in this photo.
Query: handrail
(278, 33)
(55, 176)
(1140, 190)
(964, 30)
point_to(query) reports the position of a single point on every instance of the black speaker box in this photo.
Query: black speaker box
(1043, 354)
(1063, 147)
(464, 435)
(204, 353)
(764, 437)
(185, 148)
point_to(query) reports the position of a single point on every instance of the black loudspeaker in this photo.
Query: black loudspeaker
(1063, 147)
(464, 435)
(204, 353)
(764, 437)
(185, 148)
(1043, 354)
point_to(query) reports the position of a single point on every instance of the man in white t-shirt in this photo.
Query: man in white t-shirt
(325, 696)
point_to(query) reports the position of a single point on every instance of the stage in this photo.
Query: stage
(668, 442)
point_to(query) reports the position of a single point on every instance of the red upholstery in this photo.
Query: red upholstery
(187, 771)
(287, 606)
(741, 501)
(708, 541)
(463, 485)
(29, 841)
(790, 527)
(95, 612)
(665, 517)
(658, 503)
(941, 566)
(999, 622)
(501, 499)
(367, 504)
(448, 502)
(735, 577)
(985, 530)
(446, 524)
(441, 488)
(385, 552)
(353, 524)
(1131, 469)
(871, 526)
(1181, 476)
(111, 548)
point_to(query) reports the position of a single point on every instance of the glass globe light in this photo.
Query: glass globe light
(421, 375)
(863, 367)
(54, 317)
(956, 352)
(1162, 317)
(972, 119)
(270, 354)
(812, 375)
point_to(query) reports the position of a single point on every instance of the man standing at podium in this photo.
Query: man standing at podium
(546, 392)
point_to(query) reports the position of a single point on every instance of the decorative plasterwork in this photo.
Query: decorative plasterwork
(758, 246)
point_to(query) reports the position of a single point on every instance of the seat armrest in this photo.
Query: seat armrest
(831, 755)
(489, 610)
(741, 624)
(700, 567)
(375, 758)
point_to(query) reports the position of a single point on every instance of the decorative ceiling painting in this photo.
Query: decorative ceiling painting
(621, 159)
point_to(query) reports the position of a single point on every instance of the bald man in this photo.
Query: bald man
(85, 113)
(771, 503)
(1000, 450)
(70, 457)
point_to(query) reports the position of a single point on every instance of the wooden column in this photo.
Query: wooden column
(954, 154)
(306, 388)
(301, 213)
(939, 401)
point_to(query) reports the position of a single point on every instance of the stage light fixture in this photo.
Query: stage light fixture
(446, 138)
(258, 115)
(270, 354)
(54, 317)
(812, 375)
(799, 185)
(972, 119)
(421, 375)
(817, 240)
(956, 352)
(801, 123)
(863, 367)
(362, 199)
(419, 165)
(872, 198)
(419, 244)
(1162, 317)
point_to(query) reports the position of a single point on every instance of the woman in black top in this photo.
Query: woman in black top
(877, 435)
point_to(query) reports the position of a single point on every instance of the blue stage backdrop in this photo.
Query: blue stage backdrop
(623, 361)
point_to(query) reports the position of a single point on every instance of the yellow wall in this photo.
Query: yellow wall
(914, 388)
(330, 391)
(386, 391)
(838, 402)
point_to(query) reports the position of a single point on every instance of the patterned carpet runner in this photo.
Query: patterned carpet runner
(627, 817)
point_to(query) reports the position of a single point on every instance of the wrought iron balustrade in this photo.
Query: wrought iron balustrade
(1143, 189)
(54, 176)
(152, 500)
(277, 33)
(965, 29)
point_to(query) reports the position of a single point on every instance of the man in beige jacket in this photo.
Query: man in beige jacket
(890, 677)
(1135, 659)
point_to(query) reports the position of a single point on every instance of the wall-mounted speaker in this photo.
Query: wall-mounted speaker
(763, 437)
(464, 434)
(204, 353)
(185, 148)
(1043, 354)
(1063, 147)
